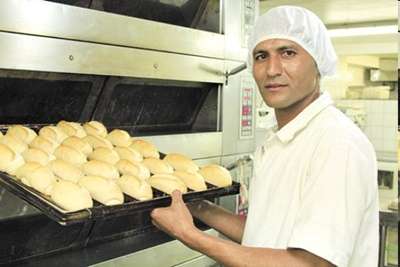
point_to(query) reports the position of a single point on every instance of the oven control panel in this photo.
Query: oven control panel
(246, 121)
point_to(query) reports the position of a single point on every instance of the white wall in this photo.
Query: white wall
(380, 122)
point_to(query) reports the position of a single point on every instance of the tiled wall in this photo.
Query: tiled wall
(380, 122)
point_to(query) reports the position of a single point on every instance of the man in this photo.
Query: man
(313, 200)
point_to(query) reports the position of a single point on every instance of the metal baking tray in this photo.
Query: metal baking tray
(100, 211)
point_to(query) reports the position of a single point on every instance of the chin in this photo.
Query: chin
(276, 104)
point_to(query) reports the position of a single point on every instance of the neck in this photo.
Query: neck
(285, 115)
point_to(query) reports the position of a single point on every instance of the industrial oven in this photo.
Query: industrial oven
(164, 70)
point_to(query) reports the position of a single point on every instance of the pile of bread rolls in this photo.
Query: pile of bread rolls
(74, 164)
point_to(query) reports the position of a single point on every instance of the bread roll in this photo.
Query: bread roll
(95, 128)
(103, 190)
(22, 133)
(216, 175)
(15, 164)
(9, 160)
(158, 166)
(133, 168)
(7, 156)
(15, 144)
(97, 141)
(65, 170)
(167, 183)
(119, 138)
(71, 128)
(135, 187)
(129, 154)
(41, 179)
(70, 155)
(53, 133)
(67, 128)
(181, 163)
(193, 181)
(44, 144)
(80, 132)
(100, 168)
(104, 154)
(26, 168)
(37, 155)
(78, 144)
(147, 149)
(70, 196)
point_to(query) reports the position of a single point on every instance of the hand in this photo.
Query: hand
(176, 219)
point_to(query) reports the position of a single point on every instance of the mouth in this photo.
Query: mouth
(275, 86)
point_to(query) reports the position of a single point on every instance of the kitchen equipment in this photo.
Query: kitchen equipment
(154, 68)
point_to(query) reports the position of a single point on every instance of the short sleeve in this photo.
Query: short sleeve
(334, 197)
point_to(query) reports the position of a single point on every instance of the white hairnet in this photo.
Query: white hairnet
(299, 25)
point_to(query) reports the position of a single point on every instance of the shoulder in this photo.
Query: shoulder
(335, 129)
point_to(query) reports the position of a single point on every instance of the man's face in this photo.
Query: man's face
(284, 72)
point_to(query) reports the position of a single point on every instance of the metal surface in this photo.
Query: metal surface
(54, 20)
(196, 145)
(234, 28)
(100, 211)
(12, 206)
(236, 70)
(387, 220)
(383, 76)
(46, 54)
(231, 142)
(242, 173)
(168, 254)
(43, 36)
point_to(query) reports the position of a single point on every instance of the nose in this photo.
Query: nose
(274, 66)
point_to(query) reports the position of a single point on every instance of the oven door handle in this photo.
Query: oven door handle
(234, 71)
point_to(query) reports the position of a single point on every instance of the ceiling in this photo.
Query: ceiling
(352, 13)
(343, 12)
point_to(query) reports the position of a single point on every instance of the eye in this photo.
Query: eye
(288, 53)
(260, 56)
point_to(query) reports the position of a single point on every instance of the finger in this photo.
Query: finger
(176, 197)
(155, 224)
(154, 214)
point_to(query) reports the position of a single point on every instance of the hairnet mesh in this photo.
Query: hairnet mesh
(301, 26)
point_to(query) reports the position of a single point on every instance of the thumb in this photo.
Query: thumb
(176, 197)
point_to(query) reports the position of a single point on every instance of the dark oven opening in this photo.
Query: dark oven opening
(38, 98)
(155, 107)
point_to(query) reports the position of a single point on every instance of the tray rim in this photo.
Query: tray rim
(57, 214)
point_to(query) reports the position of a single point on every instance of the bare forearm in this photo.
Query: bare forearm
(231, 254)
(222, 220)
(224, 251)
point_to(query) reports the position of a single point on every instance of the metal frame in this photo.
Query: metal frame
(25, 52)
(44, 36)
(49, 19)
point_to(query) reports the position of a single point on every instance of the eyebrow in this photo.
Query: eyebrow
(279, 49)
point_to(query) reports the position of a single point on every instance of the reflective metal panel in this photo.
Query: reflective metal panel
(232, 143)
(68, 22)
(196, 146)
(47, 54)
(168, 254)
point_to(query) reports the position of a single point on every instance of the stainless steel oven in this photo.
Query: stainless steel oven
(159, 69)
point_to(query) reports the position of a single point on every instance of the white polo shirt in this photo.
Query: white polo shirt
(315, 188)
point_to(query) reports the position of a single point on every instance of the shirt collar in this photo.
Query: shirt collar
(288, 132)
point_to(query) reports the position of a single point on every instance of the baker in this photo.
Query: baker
(313, 200)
